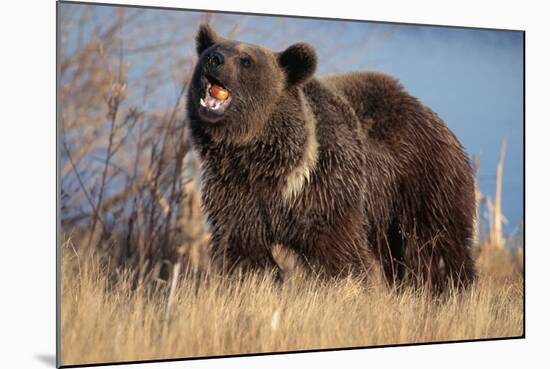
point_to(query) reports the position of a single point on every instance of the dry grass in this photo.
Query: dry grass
(106, 319)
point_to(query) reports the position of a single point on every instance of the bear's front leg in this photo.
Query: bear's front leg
(235, 252)
(339, 249)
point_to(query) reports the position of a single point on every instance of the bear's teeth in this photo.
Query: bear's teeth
(210, 102)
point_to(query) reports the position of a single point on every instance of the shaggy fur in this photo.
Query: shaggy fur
(345, 170)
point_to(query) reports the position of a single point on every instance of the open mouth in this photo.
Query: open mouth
(216, 97)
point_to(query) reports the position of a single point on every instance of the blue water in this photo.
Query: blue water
(472, 78)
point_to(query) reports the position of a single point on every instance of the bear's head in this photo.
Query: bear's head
(236, 86)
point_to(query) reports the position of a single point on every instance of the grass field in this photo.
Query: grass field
(104, 317)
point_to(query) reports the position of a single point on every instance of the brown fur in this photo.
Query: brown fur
(380, 176)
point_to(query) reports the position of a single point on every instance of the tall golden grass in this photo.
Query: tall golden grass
(135, 275)
(107, 319)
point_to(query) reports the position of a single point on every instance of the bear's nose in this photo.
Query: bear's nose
(214, 59)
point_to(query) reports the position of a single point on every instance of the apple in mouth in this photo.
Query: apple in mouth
(216, 97)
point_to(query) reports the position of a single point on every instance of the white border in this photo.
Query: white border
(27, 189)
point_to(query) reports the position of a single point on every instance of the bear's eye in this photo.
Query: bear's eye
(246, 61)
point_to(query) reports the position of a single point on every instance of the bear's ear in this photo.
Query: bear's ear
(299, 62)
(205, 38)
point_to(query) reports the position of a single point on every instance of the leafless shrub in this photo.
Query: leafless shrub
(126, 165)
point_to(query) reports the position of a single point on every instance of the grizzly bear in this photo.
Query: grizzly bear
(344, 170)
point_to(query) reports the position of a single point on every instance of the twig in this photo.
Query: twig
(80, 181)
(173, 285)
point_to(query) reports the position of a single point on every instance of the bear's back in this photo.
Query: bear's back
(379, 101)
